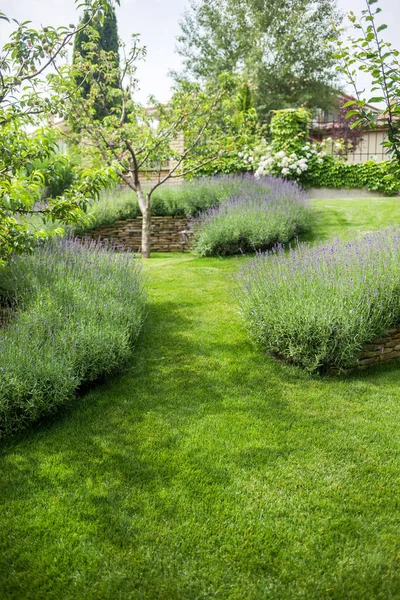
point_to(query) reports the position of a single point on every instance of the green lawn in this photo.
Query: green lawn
(207, 470)
(350, 217)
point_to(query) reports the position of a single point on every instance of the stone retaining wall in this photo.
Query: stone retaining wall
(166, 234)
(381, 350)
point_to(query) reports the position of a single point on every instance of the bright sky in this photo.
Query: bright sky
(157, 21)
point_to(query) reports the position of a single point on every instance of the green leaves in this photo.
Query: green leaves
(29, 162)
(381, 28)
(278, 46)
(377, 99)
(375, 57)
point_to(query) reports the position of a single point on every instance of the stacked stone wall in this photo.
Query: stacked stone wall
(382, 350)
(167, 234)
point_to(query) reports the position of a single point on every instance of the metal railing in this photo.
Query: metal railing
(353, 145)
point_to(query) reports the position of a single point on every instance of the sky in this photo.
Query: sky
(157, 22)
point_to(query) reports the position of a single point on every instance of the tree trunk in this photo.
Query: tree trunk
(146, 229)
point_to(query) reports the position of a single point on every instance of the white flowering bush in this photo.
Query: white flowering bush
(265, 160)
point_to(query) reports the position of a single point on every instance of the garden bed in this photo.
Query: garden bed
(381, 350)
(77, 311)
(261, 213)
(327, 307)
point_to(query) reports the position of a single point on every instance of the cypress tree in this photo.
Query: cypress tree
(109, 34)
(80, 40)
(107, 41)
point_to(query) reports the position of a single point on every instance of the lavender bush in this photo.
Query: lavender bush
(317, 306)
(79, 309)
(259, 214)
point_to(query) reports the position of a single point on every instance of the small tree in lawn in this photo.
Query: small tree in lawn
(133, 139)
(369, 53)
(24, 102)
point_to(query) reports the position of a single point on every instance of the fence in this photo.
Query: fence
(354, 145)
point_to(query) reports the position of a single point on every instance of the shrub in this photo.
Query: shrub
(115, 205)
(375, 176)
(317, 306)
(194, 196)
(79, 309)
(188, 198)
(290, 155)
(261, 213)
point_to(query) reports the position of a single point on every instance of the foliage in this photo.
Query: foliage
(88, 46)
(188, 198)
(309, 163)
(79, 308)
(241, 131)
(290, 129)
(277, 45)
(376, 176)
(344, 130)
(197, 195)
(58, 171)
(370, 54)
(24, 59)
(259, 214)
(244, 97)
(318, 306)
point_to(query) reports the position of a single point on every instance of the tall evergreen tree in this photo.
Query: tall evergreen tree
(104, 34)
(81, 39)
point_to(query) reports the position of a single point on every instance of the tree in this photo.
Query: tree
(370, 54)
(133, 139)
(24, 104)
(277, 44)
(104, 37)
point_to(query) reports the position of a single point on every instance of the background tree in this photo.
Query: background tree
(277, 44)
(132, 139)
(25, 104)
(104, 37)
(367, 52)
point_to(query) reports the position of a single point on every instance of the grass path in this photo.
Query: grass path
(207, 470)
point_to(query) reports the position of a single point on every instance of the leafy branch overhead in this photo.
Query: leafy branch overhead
(25, 62)
(367, 52)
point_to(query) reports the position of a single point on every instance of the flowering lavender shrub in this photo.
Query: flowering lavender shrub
(260, 213)
(317, 306)
(188, 198)
(79, 309)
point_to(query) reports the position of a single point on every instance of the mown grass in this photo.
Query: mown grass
(207, 470)
(349, 217)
